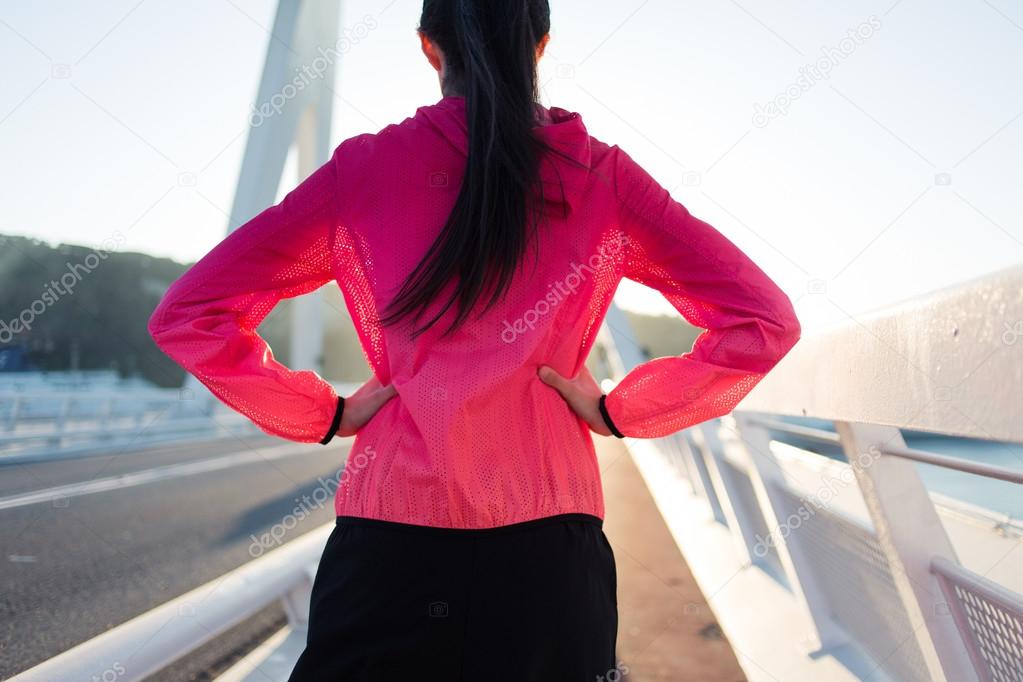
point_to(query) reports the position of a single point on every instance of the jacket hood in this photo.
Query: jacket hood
(564, 130)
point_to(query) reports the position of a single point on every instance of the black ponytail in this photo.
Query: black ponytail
(489, 48)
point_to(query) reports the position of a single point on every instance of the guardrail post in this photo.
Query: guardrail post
(754, 442)
(296, 601)
(107, 415)
(12, 416)
(739, 525)
(685, 459)
(703, 483)
(64, 413)
(911, 535)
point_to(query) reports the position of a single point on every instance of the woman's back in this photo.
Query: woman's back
(474, 438)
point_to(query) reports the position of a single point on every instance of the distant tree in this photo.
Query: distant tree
(73, 307)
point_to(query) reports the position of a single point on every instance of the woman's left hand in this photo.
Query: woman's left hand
(581, 392)
(363, 404)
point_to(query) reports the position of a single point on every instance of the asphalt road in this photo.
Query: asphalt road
(88, 543)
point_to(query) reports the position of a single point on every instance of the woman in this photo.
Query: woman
(478, 245)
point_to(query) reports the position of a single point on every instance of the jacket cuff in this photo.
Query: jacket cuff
(336, 423)
(607, 417)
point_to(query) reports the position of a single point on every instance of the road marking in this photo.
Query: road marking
(61, 494)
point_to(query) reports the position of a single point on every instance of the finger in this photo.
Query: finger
(378, 398)
(550, 376)
(386, 393)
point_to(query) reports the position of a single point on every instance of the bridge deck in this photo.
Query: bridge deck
(666, 631)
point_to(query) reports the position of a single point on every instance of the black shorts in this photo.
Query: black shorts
(529, 602)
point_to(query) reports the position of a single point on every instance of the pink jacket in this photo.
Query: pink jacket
(474, 438)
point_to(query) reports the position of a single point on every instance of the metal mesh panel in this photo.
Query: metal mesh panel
(996, 624)
(851, 570)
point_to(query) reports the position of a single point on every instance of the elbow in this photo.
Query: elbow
(159, 325)
(789, 330)
(174, 310)
(155, 326)
(792, 331)
(780, 330)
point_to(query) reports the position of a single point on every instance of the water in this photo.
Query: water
(999, 496)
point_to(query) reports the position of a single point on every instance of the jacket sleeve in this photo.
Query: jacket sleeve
(749, 322)
(207, 319)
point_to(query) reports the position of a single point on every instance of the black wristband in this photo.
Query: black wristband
(607, 417)
(336, 424)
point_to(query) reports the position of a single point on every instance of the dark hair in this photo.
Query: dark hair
(489, 48)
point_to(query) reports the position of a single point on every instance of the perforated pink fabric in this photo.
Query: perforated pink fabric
(473, 438)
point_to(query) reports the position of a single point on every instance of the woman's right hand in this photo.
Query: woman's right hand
(363, 404)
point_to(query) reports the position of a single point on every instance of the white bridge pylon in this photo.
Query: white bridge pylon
(294, 106)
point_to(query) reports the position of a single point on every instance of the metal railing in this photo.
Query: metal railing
(43, 423)
(860, 543)
(158, 638)
(35, 424)
(956, 463)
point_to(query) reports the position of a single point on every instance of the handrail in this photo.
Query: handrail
(157, 638)
(808, 432)
(944, 363)
(24, 448)
(64, 432)
(944, 461)
(101, 431)
(957, 463)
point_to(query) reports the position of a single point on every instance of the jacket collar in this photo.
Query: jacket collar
(562, 129)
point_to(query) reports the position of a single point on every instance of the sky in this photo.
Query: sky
(861, 153)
